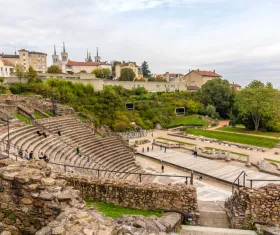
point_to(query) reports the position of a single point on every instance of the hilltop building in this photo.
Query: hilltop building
(69, 66)
(130, 65)
(37, 60)
(235, 86)
(196, 78)
(6, 68)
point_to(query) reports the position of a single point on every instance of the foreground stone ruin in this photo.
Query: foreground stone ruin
(254, 205)
(36, 200)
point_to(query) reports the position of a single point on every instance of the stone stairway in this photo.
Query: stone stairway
(198, 230)
(212, 214)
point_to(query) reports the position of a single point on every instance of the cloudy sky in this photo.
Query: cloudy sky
(240, 39)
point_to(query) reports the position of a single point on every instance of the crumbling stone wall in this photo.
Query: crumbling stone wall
(30, 200)
(138, 195)
(250, 205)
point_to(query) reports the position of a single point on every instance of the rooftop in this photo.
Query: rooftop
(7, 63)
(207, 73)
(9, 56)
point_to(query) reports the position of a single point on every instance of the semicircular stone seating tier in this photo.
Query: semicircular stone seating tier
(96, 152)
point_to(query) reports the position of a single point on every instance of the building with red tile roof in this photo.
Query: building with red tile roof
(6, 68)
(196, 78)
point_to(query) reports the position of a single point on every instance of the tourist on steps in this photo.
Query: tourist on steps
(30, 155)
(195, 152)
(152, 147)
(162, 168)
(20, 153)
(26, 154)
(78, 150)
(165, 149)
(161, 147)
(45, 157)
(148, 149)
(41, 155)
(143, 150)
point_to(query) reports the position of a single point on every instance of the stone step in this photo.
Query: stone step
(198, 230)
(212, 214)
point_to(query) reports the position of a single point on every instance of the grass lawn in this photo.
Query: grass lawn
(243, 130)
(176, 141)
(191, 120)
(114, 211)
(238, 138)
(82, 118)
(272, 160)
(49, 113)
(236, 153)
(38, 115)
(22, 118)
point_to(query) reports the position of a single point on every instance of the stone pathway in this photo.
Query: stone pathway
(220, 170)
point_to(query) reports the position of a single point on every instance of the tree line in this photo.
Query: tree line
(256, 106)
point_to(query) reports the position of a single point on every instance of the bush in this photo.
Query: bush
(19, 88)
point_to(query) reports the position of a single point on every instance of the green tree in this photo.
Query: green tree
(145, 69)
(193, 106)
(127, 74)
(54, 69)
(1, 80)
(258, 102)
(31, 74)
(217, 92)
(102, 73)
(19, 71)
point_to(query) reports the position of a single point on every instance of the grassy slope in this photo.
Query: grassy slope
(238, 138)
(114, 211)
(243, 130)
(38, 115)
(22, 118)
(191, 120)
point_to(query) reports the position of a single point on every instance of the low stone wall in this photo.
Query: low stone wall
(138, 195)
(254, 205)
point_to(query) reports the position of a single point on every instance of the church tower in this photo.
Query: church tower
(64, 54)
(88, 59)
(97, 57)
(55, 57)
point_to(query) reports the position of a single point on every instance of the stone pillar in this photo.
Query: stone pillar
(213, 153)
(227, 157)
(248, 163)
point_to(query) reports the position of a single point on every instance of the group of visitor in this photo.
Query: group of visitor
(29, 156)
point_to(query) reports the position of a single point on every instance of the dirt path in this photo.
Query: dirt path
(221, 124)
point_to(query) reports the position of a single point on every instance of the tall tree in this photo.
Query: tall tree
(127, 74)
(257, 101)
(217, 92)
(102, 73)
(19, 71)
(54, 69)
(31, 74)
(145, 69)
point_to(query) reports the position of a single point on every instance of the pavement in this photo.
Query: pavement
(215, 168)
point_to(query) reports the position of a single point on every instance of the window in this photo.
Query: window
(1, 68)
(39, 67)
(39, 60)
(6, 69)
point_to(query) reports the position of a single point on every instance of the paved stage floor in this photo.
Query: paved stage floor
(215, 168)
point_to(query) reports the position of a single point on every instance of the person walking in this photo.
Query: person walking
(165, 149)
(162, 168)
(152, 147)
(195, 152)
(148, 149)
(161, 147)
(78, 150)
(143, 149)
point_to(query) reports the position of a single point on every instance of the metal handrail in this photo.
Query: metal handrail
(124, 172)
(268, 180)
(238, 182)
